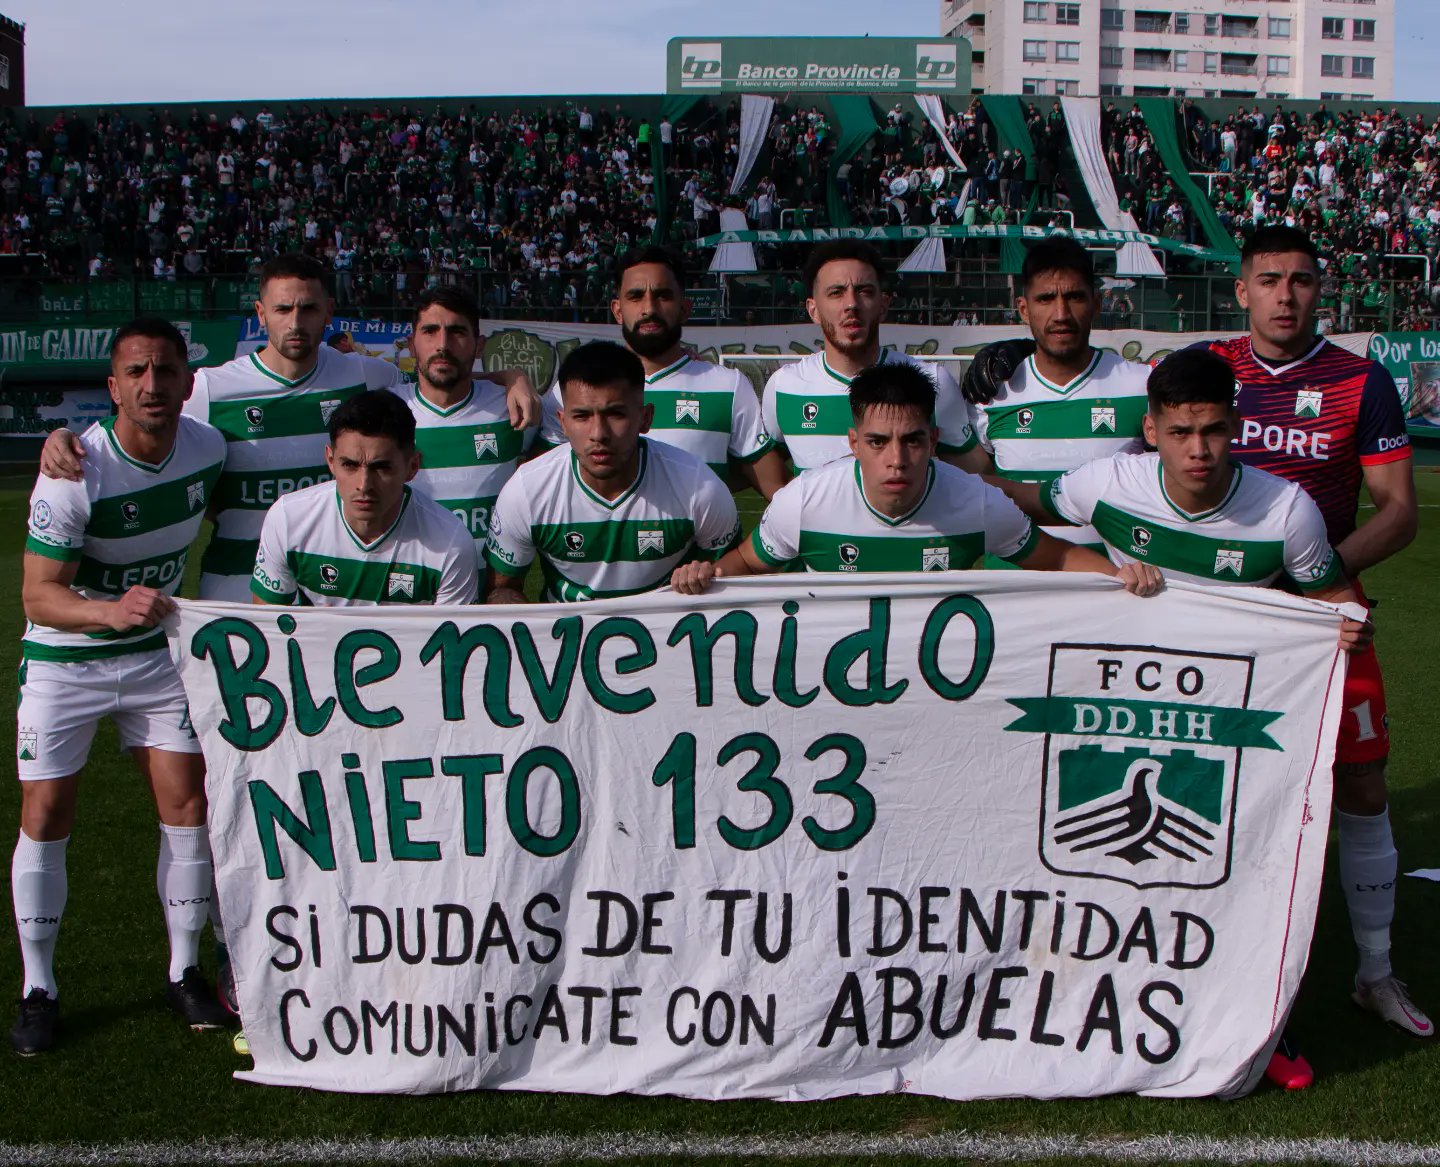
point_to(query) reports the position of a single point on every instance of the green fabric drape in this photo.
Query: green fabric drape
(855, 125)
(1160, 120)
(1007, 114)
(674, 107)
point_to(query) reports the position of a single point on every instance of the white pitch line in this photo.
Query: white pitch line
(995, 1148)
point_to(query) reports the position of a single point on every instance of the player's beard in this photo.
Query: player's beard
(840, 344)
(443, 378)
(1065, 348)
(651, 344)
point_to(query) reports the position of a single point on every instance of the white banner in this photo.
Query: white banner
(962, 834)
(755, 111)
(1082, 121)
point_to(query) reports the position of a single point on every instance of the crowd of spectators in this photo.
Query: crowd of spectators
(543, 199)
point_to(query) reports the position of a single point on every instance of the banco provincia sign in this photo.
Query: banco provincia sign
(884, 64)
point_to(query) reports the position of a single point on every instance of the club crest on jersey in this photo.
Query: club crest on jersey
(329, 575)
(687, 409)
(400, 583)
(195, 494)
(27, 745)
(487, 445)
(808, 413)
(1102, 417)
(935, 559)
(849, 553)
(1231, 561)
(328, 407)
(651, 540)
(256, 417)
(1140, 539)
(1142, 760)
(131, 511)
(1308, 402)
(574, 544)
(1023, 420)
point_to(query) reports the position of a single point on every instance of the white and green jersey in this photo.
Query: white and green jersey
(468, 451)
(276, 431)
(309, 555)
(706, 410)
(823, 520)
(806, 407)
(1036, 429)
(127, 524)
(1263, 528)
(590, 547)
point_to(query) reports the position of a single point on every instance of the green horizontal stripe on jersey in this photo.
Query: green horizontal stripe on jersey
(102, 650)
(1094, 417)
(614, 541)
(824, 551)
(473, 512)
(1188, 551)
(358, 579)
(1043, 477)
(830, 417)
(230, 556)
(113, 579)
(257, 490)
(51, 551)
(285, 415)
(561, 589)
(690, 411)
(442, 447)
(120, 516)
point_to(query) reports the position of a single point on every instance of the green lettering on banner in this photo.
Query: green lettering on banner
(349, 680)
(473, 770)
(1211, 725)
(786, 683)
(454, 651)
(238, 684)
(553, 692)
(517, 809)
(677, 770)
(933, 634)
(400, 811)
(760, 779)
(312, 835)
(846, 785)
(642, 658)
(704, 637)
(869, 645)
(310, 718)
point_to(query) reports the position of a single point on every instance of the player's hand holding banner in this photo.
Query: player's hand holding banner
(795, 838)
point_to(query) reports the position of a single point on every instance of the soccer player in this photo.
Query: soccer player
(895, 507)
(468, 446)
(366, 537)
(1329, 420)
(102, 558)
(273, 407)
(611, 513)
(806, 405)
(705, 409)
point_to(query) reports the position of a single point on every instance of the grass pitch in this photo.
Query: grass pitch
(128, 1072)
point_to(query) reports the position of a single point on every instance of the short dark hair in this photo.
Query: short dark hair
(1278, 239)
(151, 328)
(836, 249)
(293, 266)
(1192, 376)
(602, 362)
(661, 256)
(375, 413)
(457, 300)
(1058, 253)
(900, 385)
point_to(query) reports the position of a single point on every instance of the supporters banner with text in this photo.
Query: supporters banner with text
(961, 834)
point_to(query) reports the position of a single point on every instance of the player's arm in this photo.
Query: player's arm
(752, 449)
(49, 600)
(509, 548)
(766, 472)
(460, 577)
(1052, 554)
(959, 443)
(1028, 496)
(550, 434)
(272, 581)
(521, 397)
(770, 548)
(1384, 448)
(61, 456)
(976, 460)
(1316, 568)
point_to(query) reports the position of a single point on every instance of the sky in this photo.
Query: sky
(86, 52)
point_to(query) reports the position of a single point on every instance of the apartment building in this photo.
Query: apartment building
(1333, 50)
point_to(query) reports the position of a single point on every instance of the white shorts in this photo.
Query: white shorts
(61, 703)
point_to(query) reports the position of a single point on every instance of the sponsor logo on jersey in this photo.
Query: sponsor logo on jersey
(1231, 561)
(328, 407)
(1319, 571)
(131, 510)
(195, 494)
(329, 575)
(651, 540)
(687, 409)
(487, 445)
(41, 515)
(1139, 540)
(1023, 420)
(400, 583)
(574, 544)
(27, 745)
(935, 559)
(849, 553)
(1308, 402)
(1102, 417)
(256, 417)
(808, 413)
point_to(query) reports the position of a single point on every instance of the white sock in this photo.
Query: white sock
(38, 888)
(184, 883)
(1368, 870)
